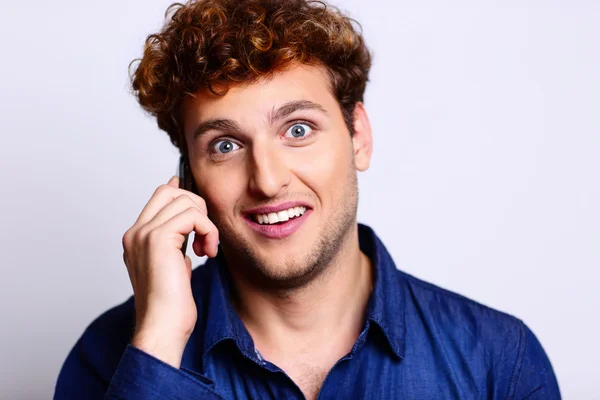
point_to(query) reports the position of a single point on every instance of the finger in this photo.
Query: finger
(190, 220)
(181, 203)
(162, 196)
(198, 246)
(174, 181)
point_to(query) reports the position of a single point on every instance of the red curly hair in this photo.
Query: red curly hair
(218, 43)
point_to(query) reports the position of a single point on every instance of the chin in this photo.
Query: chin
(281, 269)
(282, 263)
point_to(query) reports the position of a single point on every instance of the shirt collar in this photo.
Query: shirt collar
(386, 307)
(220, 321)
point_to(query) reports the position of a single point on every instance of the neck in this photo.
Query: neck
(331, 306)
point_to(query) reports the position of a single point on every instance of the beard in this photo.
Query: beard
(296, 271)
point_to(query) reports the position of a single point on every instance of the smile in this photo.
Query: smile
(278, 222)
(281, 216)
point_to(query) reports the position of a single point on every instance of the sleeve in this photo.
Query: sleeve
(142, 376)
(533, 376)
(138, 376)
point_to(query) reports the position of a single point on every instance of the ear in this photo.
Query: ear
(362, 139)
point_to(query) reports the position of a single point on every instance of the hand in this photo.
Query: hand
(160, 275)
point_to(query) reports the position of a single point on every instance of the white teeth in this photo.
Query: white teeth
(281, 216)
(273, 218)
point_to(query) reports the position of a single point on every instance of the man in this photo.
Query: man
(264, 100)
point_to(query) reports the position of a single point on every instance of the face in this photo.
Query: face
(276, 166)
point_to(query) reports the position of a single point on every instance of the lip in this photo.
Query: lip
(280, 230)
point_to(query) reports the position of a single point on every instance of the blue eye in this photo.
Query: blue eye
(298, 131)
(225, 146)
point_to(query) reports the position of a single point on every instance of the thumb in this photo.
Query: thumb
(174, 181)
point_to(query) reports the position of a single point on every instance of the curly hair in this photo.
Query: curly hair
(218, 43)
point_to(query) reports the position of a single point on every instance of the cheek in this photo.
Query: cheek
(325, 165)
(221, 189)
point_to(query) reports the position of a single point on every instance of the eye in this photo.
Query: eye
(224, 146)
(298, 131)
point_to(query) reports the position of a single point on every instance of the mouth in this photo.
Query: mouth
(278, 217)
(278, 222)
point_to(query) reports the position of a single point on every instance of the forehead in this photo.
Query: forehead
(257, 99)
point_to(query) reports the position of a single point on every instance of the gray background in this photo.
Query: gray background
(484, 178)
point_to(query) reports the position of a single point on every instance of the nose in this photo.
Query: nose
(269, 173)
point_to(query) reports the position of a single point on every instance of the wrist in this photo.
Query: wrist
(160, 346)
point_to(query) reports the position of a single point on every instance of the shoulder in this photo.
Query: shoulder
(113, 330)
(502, 343)
(458, 311)
(95, 356)
(90, 364)
(105, 339)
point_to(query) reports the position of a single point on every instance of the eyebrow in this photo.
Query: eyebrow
(293, 106)
(225, 124)
(218, 124)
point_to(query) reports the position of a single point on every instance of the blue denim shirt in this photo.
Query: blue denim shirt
(418, 342)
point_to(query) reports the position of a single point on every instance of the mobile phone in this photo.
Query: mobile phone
(186, 183)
